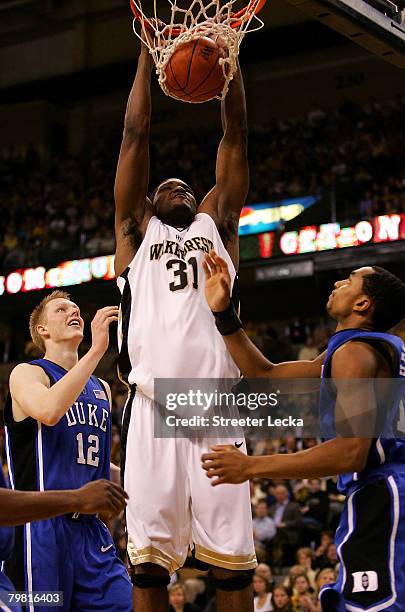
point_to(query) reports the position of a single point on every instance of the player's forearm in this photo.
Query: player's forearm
(233, 109)
(338, 456)
(253, 364)
(139, 107)
(250, 361)
(19, 507)
(132, 178)
(59, 397)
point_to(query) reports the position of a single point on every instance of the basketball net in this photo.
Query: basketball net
(214, 19)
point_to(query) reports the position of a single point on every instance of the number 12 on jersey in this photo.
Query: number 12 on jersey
(180, 273)
(92, 450)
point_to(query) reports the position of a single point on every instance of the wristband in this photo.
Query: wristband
(227, 321)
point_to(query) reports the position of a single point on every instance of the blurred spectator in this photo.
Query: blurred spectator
(177, 600)
(315, 511)
(264, 530)
(262, 597)
(320, 553)
(287, 517)
(330, 558)
(325, 576)
(305, 558)
(303, 597)
(294, 571)
(281, 600)
(336, 502)
(271, 499)
(265, 570)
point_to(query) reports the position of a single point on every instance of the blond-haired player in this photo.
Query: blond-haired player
(58, 436)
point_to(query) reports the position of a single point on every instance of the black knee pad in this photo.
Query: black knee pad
(149, 580)
(198, 564)
(238, 582)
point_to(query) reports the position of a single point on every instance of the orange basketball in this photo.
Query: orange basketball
(193, 73)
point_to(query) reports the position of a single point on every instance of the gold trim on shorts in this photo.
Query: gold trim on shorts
(231, 562)
(150, 554)
(124, 382)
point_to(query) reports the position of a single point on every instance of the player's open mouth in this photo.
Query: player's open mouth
(179, 194)
(74, 323)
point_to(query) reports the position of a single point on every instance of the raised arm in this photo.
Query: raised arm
(226, 200)
(251, 362)
(48, 404)
(132, 178)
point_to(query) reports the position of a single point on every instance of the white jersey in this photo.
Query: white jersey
(166, 328)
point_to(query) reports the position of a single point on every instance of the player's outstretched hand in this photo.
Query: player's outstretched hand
(100, 328)
(217, 282)
(101, 497)
(226, 464)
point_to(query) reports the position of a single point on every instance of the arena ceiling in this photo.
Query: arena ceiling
(37, 17)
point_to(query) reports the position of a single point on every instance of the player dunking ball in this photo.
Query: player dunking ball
(168, 331)
(58, 436)
(371, 534)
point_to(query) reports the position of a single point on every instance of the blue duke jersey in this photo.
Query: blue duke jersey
(371, 534)
(387, 452)
(72, 554)
(68, 455)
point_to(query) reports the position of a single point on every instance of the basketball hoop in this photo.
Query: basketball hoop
(214, 19)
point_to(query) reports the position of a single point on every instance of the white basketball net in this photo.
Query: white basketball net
(213, 19)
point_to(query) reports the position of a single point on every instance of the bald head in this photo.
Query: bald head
(281, 494)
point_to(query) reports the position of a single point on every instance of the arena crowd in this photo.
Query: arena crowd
(363, 173)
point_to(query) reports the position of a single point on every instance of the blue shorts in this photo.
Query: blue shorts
(5, 588)
(76, 557)
(370, 542)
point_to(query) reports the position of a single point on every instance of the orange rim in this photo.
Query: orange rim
(237, 18)
(248, 10)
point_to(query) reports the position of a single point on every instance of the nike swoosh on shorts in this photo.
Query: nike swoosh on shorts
(105, 548)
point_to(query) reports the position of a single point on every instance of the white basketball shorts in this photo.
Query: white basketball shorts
(173, 506)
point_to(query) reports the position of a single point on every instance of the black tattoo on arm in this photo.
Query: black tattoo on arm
(132, 231)
(228, 229)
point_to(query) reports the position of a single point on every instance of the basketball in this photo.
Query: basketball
(194, 73)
